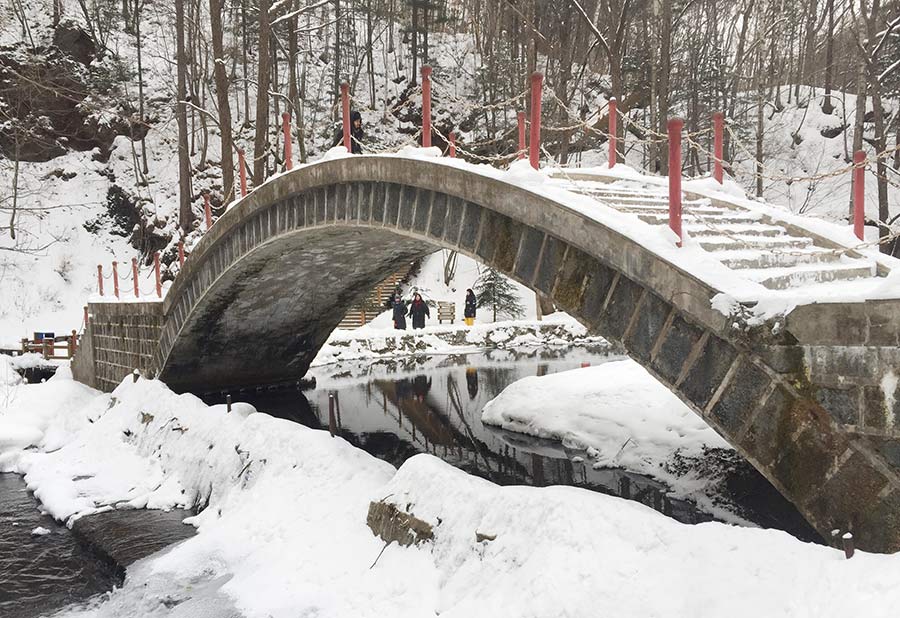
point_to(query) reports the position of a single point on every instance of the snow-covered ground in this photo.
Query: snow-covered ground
(284, 529)
(379, 340)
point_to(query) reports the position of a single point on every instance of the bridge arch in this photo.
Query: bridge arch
(296, 252)
(285, 262)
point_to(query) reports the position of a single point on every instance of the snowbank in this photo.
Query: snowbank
(617, 412)
(562, 551)
(284, 530)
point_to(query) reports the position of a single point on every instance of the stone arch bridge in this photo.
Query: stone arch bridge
(811, 401)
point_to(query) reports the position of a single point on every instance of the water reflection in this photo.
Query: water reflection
(397, 408)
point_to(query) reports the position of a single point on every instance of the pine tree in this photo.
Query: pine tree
(495, 291)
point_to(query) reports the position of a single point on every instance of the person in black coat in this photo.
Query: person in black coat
(398, 305)
(356, 134)
(471, 305)
(418, 310)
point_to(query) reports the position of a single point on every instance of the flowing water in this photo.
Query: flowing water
(45, 566)
(41, 571)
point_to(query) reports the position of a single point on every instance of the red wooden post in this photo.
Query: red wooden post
(613, 121)
(521, 118)
(675, 125)
(100, 278)
(85, 316)
(242, 172)
(207, 210)
(859, 194)
(537, 80)
(116, 278)
(134, 277)
(156, 269)
(345, 113)
(286, 127)
(718, 145)
(452, 137)
(426, 106)
(181, 253)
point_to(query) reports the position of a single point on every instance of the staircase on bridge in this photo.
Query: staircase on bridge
(745, 241)
(374, 304)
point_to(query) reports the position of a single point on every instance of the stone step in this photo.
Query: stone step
(775, 257)
(747, 241)
(797, 276)
(649, 200)
(663, 209)
(713, 218)
(712, 228)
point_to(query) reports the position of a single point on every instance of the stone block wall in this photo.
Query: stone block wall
(119, 338)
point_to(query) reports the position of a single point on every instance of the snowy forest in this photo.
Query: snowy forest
(119, 116)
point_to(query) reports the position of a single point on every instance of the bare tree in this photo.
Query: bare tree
(185, 214)
(261, 141)
(216, 7)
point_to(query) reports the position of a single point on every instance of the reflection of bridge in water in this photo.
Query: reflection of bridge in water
(438, 411)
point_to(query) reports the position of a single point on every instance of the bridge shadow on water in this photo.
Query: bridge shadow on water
(397, 408)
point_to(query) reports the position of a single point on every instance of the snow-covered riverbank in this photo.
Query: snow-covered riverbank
(284, 529)
(378, 340)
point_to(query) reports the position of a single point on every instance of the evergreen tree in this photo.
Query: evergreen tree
(497, 293)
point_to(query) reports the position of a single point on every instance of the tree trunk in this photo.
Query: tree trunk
(137, 29)
(337, 54)
(827, 107)
(370, 60)
(414, 43)
(665, 61)
(244, 64)
(221, 78)
(859, 117)
(185, 214)
(884, 214)
(261, 141)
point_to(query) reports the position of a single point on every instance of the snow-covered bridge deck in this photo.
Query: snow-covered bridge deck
(777, 252)
(808, 392)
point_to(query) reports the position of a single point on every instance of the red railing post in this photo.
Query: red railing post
(181, 253)
(613, 123)
(207, 211)
(675, 125)
(242, 172)
(534, 146)
(521, 118)
(345, 114)
(426, 106)
(859, 194)
(718, 146)
(116, 278)
(134, 277)
(452, 137)
(286, 127)
(100, 278)
(156, 270)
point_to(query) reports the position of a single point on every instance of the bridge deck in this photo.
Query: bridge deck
(757, 247)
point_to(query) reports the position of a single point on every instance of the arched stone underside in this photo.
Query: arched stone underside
(270, 281)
